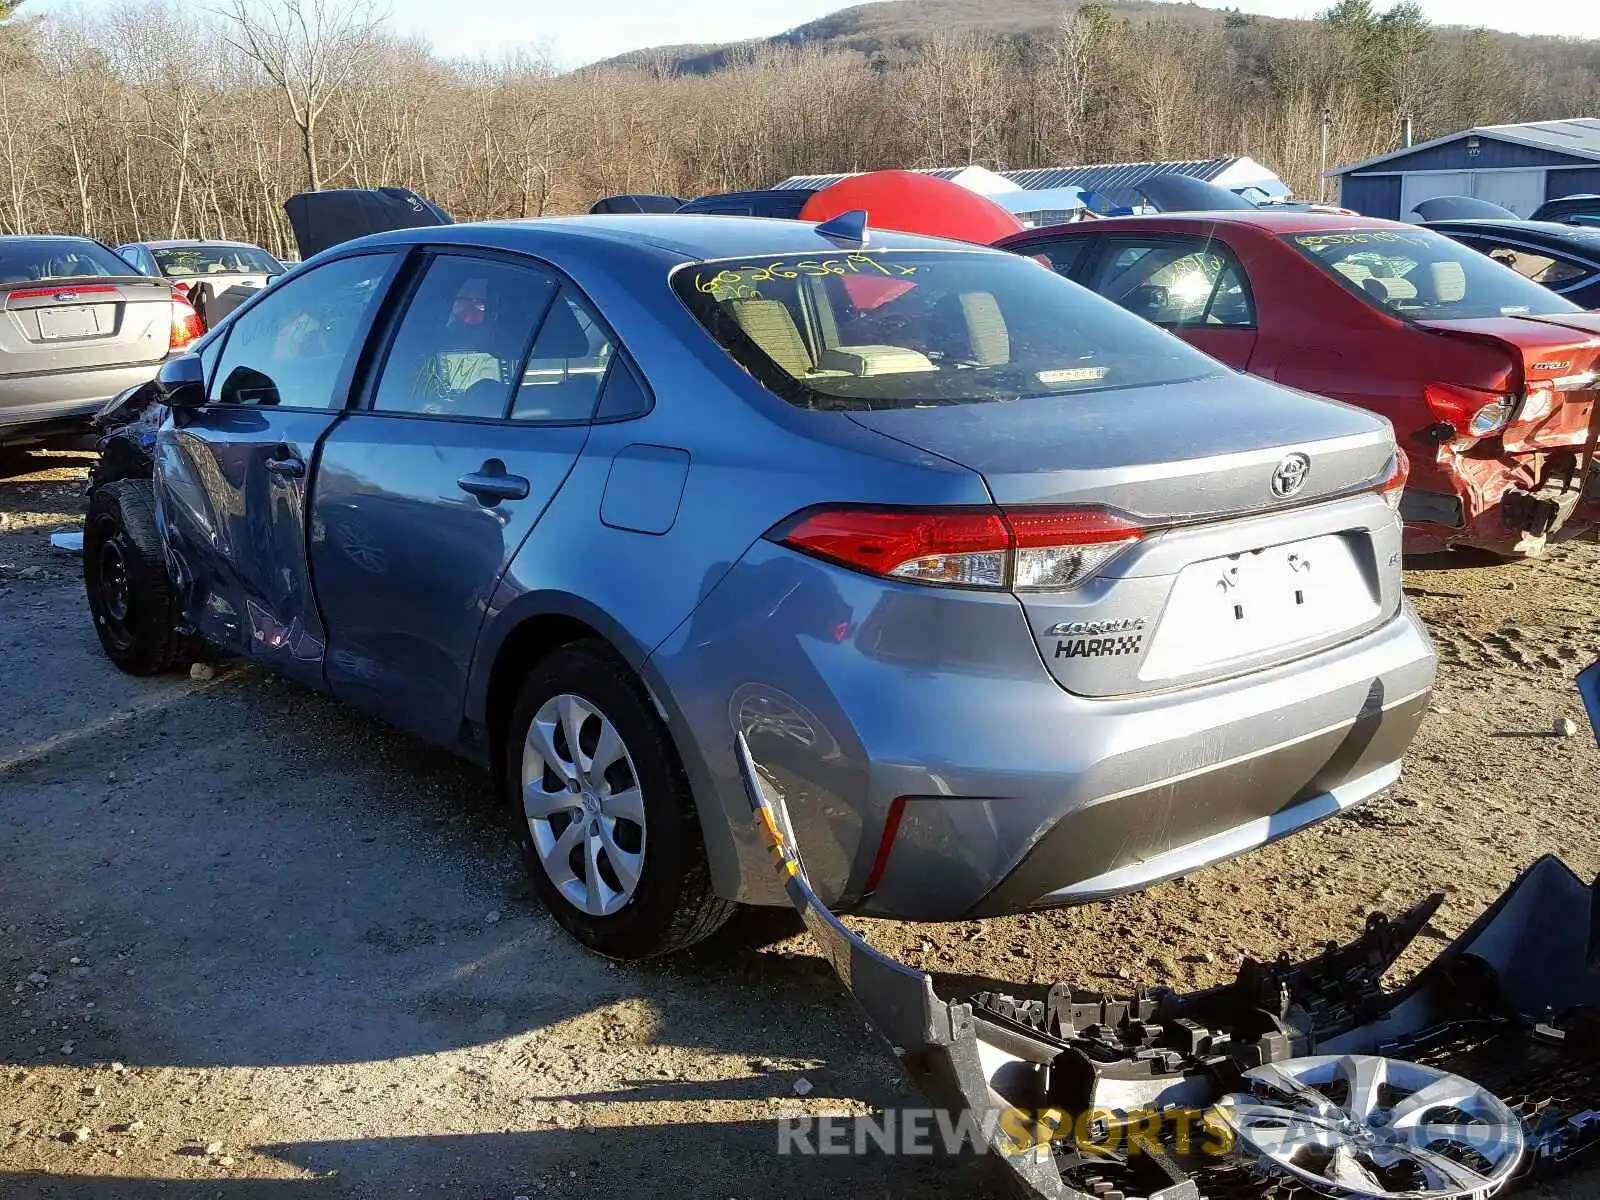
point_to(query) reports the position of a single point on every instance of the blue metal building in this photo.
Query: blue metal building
(1516, 166)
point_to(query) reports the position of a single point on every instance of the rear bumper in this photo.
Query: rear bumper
(1512, 504)
(928, 716)
(1139, 792)
(36, 404)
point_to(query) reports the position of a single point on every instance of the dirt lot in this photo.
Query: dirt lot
(255, 945)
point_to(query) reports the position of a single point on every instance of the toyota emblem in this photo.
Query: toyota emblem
(1290, 475)
(66, 297)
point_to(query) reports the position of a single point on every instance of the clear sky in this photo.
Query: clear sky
(580, 31)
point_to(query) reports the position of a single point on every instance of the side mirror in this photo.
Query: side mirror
(182, 382)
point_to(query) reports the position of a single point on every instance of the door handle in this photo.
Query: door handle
(490, 484)
(286, 462)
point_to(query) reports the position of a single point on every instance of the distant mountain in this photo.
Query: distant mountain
(890, 26)
(887, 26)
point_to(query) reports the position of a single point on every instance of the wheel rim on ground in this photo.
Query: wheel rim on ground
(112, 585)
(1358, 1125)
(583, 805)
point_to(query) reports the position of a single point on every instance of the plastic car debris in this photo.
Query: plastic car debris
(1110, 1086)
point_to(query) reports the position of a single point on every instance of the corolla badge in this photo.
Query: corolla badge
(1290, 475)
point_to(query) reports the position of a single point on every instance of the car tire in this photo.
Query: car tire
(131, 597)
(657, 896)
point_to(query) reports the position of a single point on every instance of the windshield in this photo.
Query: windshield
(1424, 276)
(215, 260)
(904, 328)
(26, 259)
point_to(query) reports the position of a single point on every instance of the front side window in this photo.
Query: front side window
(1175, 282)
(910, 328)
(1421, 275)
(463, 337)
(289, 349)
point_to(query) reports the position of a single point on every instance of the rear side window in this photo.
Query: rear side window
(1424, 276)
(561, 381)
(1539, 266)
(25, 259)
(136, 258)
(1064, 257)
(289, 349)
(1175, 282)
(907, 328)
(463, 336)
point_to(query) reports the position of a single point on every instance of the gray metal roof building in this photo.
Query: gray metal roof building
(1516, 166)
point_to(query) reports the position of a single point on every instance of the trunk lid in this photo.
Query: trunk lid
(62, 325)
(324, 219)
(1556, 373)
(1231, 576)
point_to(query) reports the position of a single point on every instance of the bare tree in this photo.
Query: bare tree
(311, 50)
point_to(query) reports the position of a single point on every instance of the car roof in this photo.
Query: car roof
(687, 237)
(1274, 222)
(176, 243)
(45, 237)
(1506, 225)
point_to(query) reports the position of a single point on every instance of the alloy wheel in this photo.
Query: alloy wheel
(1357, 1125)
(583, 804)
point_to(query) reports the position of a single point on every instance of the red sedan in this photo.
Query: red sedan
(1489, 378)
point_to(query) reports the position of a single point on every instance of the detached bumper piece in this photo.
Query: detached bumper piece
(1297, 1080)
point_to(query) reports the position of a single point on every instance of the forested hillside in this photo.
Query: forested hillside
(159, 120)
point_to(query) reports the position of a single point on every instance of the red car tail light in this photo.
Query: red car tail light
(1025, 548)
(960, 546)
(1471, 412)
(1393, 484)
(1061, 547)
(186, 323)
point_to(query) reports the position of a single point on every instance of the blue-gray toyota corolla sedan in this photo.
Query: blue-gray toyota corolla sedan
(1017, 600)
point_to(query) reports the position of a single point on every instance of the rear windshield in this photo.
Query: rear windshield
(24, 259)
(1424, 276)
(215, 260)
(903, 328)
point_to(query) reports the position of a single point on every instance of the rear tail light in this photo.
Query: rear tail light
(1022, 548)
(1393, 484)
(1469, 411)
(186, 323)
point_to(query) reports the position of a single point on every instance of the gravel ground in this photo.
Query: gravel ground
(253, 944)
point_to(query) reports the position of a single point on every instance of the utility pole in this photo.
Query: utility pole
(1322, 175)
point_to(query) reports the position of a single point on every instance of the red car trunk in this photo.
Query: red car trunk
(1489, 380)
